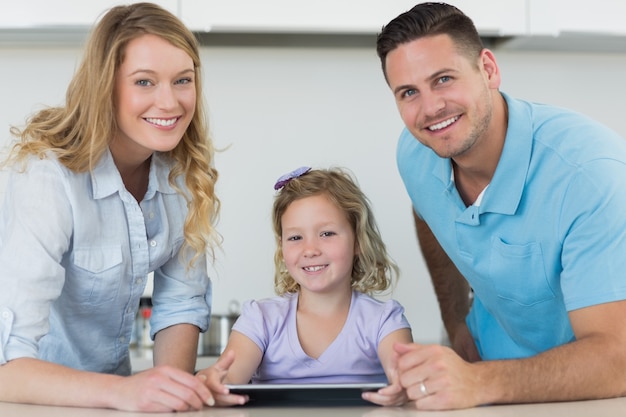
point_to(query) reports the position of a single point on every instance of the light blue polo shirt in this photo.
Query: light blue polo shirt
(549, 235)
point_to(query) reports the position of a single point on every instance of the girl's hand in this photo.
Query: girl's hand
(391, 395)
(213, 378)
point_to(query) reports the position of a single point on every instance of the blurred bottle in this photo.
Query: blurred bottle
(142, 323)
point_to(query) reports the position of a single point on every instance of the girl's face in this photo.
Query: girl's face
(318, 245)
(155, 97)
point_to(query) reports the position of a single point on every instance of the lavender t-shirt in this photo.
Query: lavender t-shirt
(351, 358)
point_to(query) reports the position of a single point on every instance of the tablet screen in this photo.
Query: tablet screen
(298, 394)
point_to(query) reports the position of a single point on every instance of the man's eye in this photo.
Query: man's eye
(409, 93)
(444, 79)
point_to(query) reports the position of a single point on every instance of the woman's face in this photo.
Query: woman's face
(155, 97)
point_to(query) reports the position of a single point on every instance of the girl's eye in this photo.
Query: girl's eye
(294, 238)
(328, 234)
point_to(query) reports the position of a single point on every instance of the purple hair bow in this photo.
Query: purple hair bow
(283, 180)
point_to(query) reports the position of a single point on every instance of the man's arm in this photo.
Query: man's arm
(591, 367)
(451, 288)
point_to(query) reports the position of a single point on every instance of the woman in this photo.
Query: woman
(116, 184)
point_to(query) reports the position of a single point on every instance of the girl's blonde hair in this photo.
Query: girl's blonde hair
(373, 270)
(79, 133)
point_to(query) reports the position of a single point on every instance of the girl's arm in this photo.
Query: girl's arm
(247, 358)
(235, 366)
(393, 394)
(386, 353)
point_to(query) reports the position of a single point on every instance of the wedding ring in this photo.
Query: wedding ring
(423, 389)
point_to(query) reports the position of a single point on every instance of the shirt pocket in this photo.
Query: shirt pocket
(518, 273)
(98, 274)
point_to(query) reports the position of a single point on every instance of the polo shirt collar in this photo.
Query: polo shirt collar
(504, 192)
(507, 185)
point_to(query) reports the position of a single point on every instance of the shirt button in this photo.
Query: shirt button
(6, 315)
(139, 281)
(151, 215)
(122, 339)
(153, 243)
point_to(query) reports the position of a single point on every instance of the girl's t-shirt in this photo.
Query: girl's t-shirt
(351, 358)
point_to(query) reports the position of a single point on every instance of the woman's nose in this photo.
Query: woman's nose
(166, 97)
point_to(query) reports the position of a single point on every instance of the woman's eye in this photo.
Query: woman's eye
(184, 81)
(143, 83)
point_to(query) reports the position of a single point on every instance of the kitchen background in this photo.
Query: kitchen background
(291, 83)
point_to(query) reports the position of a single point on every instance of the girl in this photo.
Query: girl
(117, 183)
(323, 327)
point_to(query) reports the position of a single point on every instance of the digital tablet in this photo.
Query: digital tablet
(299, 394)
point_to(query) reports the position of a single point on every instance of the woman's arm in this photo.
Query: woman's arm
(177, 346)
(162, 389)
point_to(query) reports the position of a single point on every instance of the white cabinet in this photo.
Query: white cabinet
(496, 17)
(492, 17)
(280, 16)
(25, 14)
(581, 17)
(574, 26)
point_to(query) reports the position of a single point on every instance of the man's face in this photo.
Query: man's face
(444, 98)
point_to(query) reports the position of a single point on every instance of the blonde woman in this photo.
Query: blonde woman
(324, 326)
(117, 183)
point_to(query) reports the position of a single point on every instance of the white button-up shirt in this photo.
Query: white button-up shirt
(75, 250)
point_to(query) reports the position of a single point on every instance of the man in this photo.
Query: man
(523, 203)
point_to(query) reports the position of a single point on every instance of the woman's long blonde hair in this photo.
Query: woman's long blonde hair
(372, 270)
(79, 133)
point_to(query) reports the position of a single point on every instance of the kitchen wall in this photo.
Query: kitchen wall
(275, 106)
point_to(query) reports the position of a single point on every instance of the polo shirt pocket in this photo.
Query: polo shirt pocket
(98, 274)
(518, 274)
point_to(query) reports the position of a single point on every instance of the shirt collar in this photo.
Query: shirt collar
(106, 179)
(507, 185)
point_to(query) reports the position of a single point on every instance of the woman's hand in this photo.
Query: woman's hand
(160, 389)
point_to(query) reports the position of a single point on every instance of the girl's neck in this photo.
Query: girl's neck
(324, 304)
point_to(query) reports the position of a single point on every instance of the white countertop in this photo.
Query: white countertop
(601, 408)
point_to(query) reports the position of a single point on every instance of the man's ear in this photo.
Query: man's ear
(490, 66)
